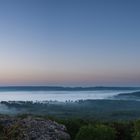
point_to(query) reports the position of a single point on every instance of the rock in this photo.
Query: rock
(33, 129)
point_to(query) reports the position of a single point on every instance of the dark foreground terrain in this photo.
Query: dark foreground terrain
(30, 127)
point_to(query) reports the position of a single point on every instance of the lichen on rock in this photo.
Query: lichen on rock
(32, 129)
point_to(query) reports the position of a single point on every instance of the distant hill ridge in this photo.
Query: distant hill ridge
(61, 88)
(136, 94)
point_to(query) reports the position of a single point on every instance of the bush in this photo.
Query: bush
(124, 130)
(99, 132)
(73, 126)
(137, 130)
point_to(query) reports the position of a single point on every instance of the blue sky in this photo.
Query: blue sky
(70, 42)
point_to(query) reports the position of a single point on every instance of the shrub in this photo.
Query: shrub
(73, 126)
(99, 132)
(124, 130)
(137, 130)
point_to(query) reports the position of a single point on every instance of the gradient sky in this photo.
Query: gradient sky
(70, 42)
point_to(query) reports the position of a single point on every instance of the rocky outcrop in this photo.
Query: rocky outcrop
(32, 129)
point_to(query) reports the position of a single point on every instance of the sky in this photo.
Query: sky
(70, 42)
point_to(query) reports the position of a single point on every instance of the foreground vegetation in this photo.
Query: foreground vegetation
(98, 130)
(102, 130)
(82, 129)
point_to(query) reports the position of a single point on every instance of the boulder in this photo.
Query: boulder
(33, 129)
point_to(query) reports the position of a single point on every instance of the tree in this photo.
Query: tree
(137, 130)
(99, 132)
